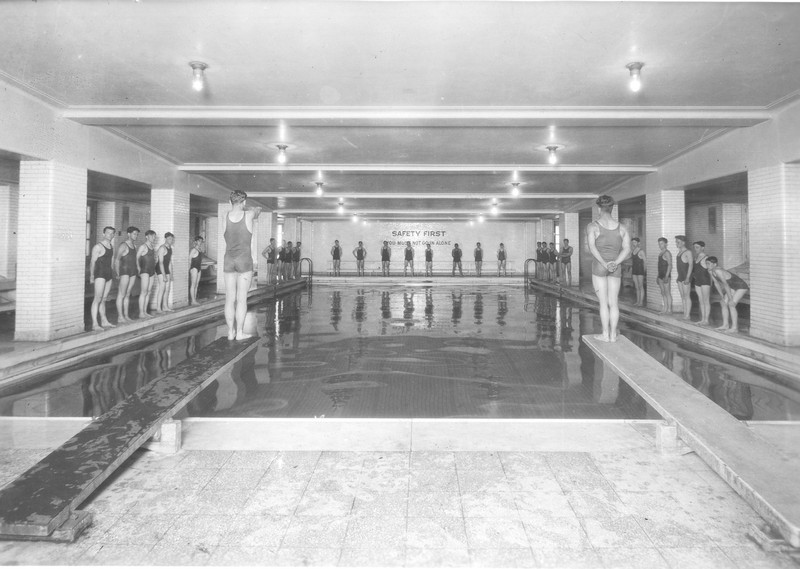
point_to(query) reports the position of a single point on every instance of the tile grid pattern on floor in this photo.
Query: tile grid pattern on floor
(492, 509)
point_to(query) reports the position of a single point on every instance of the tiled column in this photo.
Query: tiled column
(666, 217)
(547, 230)
(733, 220)
(9, 207)
(265, 230)
(169, 211)
(222, 212)
(212, 230)
(306, 235)
(571, 230)
(290, 229)
(774, 208)
(51, 251)
(109, 214)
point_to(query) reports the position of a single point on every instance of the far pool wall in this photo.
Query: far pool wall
(519, 239)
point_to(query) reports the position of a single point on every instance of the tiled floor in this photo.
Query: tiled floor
(631, 508)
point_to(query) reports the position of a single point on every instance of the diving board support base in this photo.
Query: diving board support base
(667, 441)
(167, 439)
(761, 474)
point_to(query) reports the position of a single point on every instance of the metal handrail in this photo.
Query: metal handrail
(310, 268)
(526, 272)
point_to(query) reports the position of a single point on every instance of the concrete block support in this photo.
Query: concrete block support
(51, 251)
(666, 217)
(9, 208)
(774, 208)
(265, 229)
(570, 229)
(168, 438)
(169, 211)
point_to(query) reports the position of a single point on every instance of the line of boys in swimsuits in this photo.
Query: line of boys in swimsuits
(283, 262)
(547, 261)
(147, 262)
(695, 266)
(360, 254)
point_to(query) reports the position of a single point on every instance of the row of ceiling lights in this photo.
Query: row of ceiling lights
(199, 78)
(635, 85)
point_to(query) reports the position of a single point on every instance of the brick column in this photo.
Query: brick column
(169, 211)
(265, 229)
(9, 208)
(666, 217)
(222, 212)
(51, 251)
(774, 208)
(571, 230)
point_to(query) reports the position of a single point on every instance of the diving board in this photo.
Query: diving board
(42, 502)
(763, 476)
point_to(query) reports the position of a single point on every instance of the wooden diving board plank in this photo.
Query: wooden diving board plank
(757, 471)
(47, 495)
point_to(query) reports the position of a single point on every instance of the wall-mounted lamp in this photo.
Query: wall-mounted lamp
(355, 218)
(636, 75)
(340, 209)
(494, 210)
(319, 188)
(198, 77)
(515, 189)
(480, 219)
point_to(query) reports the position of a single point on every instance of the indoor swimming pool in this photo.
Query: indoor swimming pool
(409, 352)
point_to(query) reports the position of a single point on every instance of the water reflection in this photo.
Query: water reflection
(455, 297)
(331, 360)
(429, 308)
(477, 308)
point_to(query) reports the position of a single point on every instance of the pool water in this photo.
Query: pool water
(411, 351)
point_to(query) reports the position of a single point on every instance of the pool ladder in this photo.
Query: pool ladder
(526, 272)
(310, 269)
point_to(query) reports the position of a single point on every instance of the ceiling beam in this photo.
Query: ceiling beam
(419, 195)
(415, 212)
(418, 116)
(219, 167)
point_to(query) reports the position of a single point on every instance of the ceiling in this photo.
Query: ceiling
(411, 110)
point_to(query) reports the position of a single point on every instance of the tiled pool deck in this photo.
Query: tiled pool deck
(616, 505)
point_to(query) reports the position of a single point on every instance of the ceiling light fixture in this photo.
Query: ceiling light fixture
(551, 150)
(198, 77)
(515, 189)
(636, 75)
(319, 188)
(282, 153)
